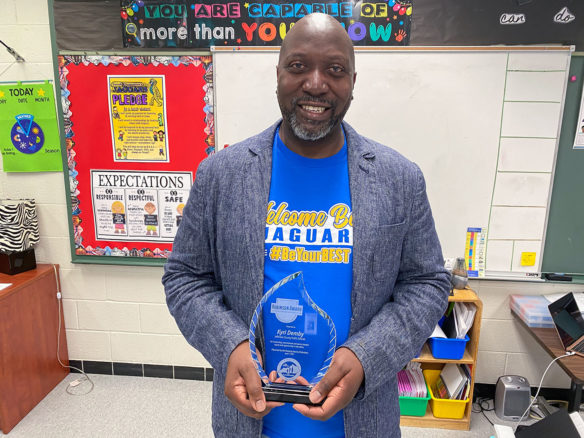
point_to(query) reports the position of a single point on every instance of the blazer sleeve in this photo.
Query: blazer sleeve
(193, 290)
(398, 331)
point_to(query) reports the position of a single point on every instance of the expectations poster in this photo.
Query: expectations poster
(194, 24)
(133, 153)
(29, 134)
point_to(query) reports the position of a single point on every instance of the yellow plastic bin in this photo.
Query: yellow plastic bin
(443, 408)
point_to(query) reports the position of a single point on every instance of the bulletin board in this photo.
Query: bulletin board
(136, 129)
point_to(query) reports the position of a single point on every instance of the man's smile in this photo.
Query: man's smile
(313, 109)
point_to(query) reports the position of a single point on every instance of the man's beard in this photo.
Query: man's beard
(321, 130)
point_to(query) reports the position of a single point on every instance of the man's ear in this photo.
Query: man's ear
(354, 79)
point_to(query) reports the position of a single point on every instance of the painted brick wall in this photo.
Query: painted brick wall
(111, 313)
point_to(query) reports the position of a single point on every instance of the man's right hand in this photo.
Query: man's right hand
(243, 386)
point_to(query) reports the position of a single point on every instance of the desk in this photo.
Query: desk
(573, 366)
(28, 342)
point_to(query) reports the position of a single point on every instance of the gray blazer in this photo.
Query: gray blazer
(214, 276)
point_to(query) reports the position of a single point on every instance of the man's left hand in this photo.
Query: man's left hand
(339, 385)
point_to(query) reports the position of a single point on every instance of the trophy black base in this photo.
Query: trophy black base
(288, 393)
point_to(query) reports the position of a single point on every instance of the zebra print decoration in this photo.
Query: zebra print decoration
(19, 228)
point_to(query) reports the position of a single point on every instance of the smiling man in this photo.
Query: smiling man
(383, 285)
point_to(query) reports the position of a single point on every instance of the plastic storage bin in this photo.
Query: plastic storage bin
(414, 406)
(443, 408)
(446, 348)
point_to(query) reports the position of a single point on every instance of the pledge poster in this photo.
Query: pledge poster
(134, 150)
(138, 118)
(29, 134)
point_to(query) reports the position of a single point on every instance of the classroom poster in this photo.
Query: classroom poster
(194, 24)
(29, 133)
(138, 118)
(579, 137)
(133, 153)
(474, 252)
(143, 206)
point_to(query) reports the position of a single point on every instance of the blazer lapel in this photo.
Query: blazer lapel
(363, 186)
(257, 173)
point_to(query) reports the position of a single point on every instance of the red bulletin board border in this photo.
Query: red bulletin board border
(88, 137)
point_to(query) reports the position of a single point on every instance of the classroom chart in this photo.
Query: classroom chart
(482, 123)
(143, 206)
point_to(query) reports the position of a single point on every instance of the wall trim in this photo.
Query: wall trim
(142, 370)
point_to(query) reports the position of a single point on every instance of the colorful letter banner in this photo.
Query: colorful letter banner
(194, 24)
(29, 134)
(136, 129)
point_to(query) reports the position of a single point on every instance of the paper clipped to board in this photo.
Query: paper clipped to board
(579, 137)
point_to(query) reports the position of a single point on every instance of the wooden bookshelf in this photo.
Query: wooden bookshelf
(469, 358)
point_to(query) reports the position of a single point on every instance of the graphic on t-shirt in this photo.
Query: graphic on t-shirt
(292, 233)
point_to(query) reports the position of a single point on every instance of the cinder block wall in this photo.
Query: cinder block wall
(115, 313)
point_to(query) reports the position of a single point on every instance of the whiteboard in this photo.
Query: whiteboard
(466, 117)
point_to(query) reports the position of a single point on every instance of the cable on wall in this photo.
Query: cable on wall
(85, 377)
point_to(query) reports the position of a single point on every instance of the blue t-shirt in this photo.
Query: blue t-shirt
(318, 188)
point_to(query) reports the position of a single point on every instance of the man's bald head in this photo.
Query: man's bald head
(316, 76)
(320, 24)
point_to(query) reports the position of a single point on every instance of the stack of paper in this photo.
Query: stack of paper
(460, 320)
(454, 382)
(411, 381)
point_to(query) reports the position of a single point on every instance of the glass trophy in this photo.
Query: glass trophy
(297, 338)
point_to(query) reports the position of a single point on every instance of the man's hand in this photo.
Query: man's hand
(243, 386)
(339, 385)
